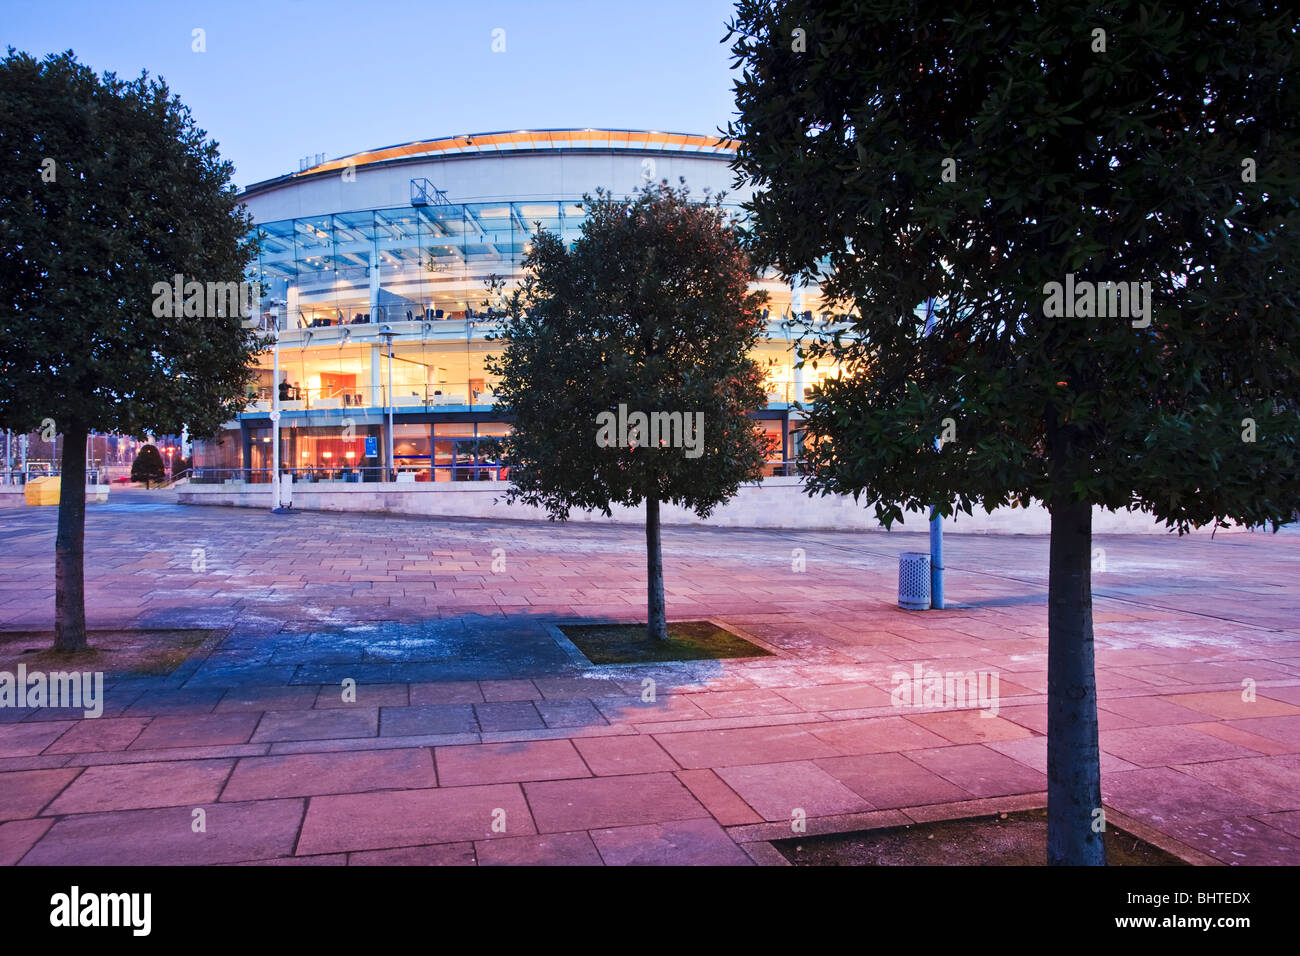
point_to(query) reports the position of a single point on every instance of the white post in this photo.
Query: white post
(798, 374)
(373, 307)
(392, 465)
(936, 521)
(275, 421)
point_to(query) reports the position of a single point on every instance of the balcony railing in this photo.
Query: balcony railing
(406, 472)
(404, 397)
(365, 319)
(469, 394)
(317, 474)
(786, 392)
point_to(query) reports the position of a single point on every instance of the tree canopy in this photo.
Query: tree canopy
(626, 370)
(1099, 204)
(148, 465)
(1162, 151)
(649, 309)
(108, 187)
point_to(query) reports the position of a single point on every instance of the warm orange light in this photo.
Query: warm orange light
(306, 454)
(350, 454)
(326, 454)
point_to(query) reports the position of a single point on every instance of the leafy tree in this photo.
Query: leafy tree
(973, 153)
(148, 466)
(650, 312)
(108, 188)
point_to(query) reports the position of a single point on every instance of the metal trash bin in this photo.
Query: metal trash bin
(914, 580)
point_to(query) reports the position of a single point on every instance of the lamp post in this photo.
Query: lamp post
(936, 520)
(386, 333)
(275, 421)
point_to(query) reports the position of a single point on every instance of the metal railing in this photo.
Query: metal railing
(319, 474)
(787, 392)
(439, 474)
(367, 397)
(94, 476)
(174, 479)
(220, 476)
(781, 469)
(365, 319)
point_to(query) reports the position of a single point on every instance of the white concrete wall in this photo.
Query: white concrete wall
(776, 503)
(483, 177)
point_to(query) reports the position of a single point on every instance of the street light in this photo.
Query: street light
(386, 333)
(936, 520)
(276, 508)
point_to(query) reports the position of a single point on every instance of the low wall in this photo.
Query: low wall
(776, 503)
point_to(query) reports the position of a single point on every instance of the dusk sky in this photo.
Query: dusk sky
(283, 79)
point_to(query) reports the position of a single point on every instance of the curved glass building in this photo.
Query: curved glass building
(375, 268)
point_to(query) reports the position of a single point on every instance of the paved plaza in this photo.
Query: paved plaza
(475, 737)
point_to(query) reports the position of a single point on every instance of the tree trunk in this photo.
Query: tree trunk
(657, 623)
(1074, 822)
(70, 545)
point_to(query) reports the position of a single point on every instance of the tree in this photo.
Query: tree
(148, 466)
(996, 159)
(626, 369)
(107, 190)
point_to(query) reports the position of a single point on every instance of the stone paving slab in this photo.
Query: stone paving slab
(306, 775)
(601, 802)
(396, 818)
(700, 842)
(784, 791)
(547, 849)
(25, 793)
(142, 786)
(509, 762)
(262, 829)
(404, 705)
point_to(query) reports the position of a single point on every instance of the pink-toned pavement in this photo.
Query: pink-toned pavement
(476, 737)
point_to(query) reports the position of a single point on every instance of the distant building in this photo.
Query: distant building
(404, 239)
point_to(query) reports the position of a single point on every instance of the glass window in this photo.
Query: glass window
(453, 428)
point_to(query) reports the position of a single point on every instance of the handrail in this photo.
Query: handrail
(311, 474)
(475, 393)
(171, 482)
(17, 476)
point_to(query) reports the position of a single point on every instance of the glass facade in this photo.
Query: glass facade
(410, 264)
(383, 316)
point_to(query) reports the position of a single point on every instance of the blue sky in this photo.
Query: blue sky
(282, 79)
